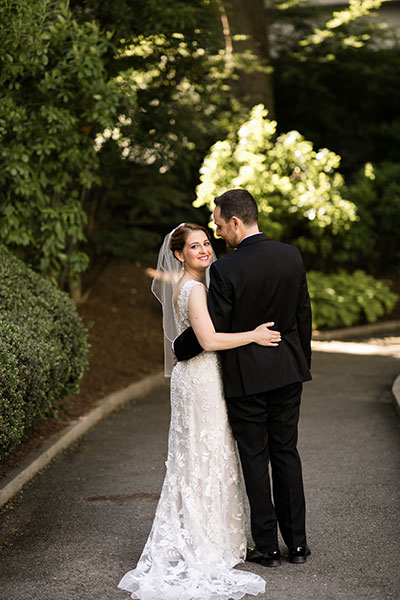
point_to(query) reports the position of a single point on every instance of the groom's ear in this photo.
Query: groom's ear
(236, 222)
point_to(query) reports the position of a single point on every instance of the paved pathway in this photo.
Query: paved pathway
(81, 524)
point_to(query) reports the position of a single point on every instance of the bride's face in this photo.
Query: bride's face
(197, 252)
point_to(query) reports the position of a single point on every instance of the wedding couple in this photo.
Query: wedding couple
(251, 388)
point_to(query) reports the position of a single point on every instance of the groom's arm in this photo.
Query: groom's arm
(186, 345)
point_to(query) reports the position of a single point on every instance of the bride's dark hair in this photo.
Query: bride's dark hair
(179, 236)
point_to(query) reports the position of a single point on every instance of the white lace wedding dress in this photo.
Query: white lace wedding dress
(199, 530)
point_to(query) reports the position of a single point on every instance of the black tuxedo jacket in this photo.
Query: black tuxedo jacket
(261, 281)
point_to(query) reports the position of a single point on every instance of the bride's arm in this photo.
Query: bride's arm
(209, 339)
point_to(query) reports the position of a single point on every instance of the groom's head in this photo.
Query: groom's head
(235, 216)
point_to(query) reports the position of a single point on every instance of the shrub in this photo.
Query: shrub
(298, 189)
(345, 299)
(43, 349)
(375, 237)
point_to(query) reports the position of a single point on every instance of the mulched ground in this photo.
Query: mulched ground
(126, 345)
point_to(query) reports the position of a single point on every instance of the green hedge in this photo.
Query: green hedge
(344, 299)
(43, 349)
(374, 240)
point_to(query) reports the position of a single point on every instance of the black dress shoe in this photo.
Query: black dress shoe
(267, 559)
(298, 555)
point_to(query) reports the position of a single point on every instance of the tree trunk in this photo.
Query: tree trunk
(249, 18)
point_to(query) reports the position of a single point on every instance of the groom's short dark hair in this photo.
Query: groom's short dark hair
(237, 203)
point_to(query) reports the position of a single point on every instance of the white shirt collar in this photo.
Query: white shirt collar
(250, 235)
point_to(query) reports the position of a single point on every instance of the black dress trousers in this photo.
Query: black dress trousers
(265, 428)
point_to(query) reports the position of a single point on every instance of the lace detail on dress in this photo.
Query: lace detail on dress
(199, 530)
(182, 316)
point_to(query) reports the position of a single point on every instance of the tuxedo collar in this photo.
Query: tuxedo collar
(253, 239)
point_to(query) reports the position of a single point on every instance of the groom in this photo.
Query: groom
(263, 280)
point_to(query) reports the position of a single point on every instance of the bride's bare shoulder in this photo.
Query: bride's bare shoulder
(184, 283)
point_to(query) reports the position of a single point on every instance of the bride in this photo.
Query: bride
(199, 530)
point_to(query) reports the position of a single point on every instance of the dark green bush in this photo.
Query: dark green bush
(43, 349)
(374, 240)
(345, 96)
(344, 299)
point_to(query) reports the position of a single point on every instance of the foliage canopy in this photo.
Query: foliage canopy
(54, 92)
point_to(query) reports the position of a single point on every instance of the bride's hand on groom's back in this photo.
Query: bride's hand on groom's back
(265, 336)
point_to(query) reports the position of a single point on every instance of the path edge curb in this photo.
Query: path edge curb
(358, 330)
(60, 441)
(396, 393)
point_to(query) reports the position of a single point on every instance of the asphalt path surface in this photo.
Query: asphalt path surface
(81, 524)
